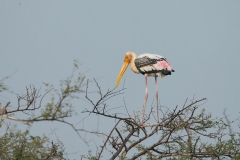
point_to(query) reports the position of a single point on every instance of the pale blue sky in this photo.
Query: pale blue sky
(201, 39)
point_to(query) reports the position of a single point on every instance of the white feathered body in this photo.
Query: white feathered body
(151, 65)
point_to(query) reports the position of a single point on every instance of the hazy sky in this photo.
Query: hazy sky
(201, 39)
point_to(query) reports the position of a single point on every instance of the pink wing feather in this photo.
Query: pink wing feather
(163, 65)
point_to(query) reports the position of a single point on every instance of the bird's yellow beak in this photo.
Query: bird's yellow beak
(123, 69)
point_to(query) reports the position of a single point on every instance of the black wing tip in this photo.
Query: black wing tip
(173, 70)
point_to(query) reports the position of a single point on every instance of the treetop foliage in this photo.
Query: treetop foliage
(183, 132)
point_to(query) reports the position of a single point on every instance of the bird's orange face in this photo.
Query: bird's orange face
(123, 69)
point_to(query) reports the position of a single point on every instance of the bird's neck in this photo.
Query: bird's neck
(132, 62)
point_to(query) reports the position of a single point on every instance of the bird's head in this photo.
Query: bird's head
(127, 60)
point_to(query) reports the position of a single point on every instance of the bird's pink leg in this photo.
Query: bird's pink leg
(157, 98)
(146, 97)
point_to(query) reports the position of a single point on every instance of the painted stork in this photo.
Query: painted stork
(148, 65)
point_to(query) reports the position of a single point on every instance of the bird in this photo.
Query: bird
(149, 65)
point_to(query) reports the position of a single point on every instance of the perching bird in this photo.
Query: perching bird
(148, 65)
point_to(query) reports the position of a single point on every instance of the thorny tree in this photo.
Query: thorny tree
(185, 132)
(16, 144)
(182, 133)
